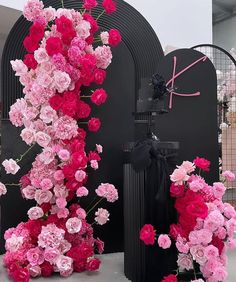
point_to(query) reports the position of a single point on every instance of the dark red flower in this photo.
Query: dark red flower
(46, 269)
(218, 243)
(99, 97)
(46, 207)
(187, 222)
(90, 40)
(147, 234)
(56, 102)
(197, 209)
(34, 227)
(94, 124)
(92, 21)
(114, 37)
(30, 61)
(72, 185)
(64, 25)
(37, 31)
(109, 6)
(93, 264)
(21, 275)
(202, 163)
(99, 76)
(175, 230)
(170, 278)
(69, 171)
(30, 44)
(177, 191)
(83, 110)
(25, 181)
(54, 46)
(90, 4)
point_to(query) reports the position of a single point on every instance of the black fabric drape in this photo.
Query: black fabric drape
(158, 159)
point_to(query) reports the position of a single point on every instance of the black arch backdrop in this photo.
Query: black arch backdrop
(137, 57)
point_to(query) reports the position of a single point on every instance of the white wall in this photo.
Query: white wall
(180, 23)
(224, 34)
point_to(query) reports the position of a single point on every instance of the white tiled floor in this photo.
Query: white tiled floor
(112, 271)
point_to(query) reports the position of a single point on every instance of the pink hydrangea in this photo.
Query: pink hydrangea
(164, 241)
(51, 236)
(73, 225)
(102, 216)
(65, 128)
(11, 167)
(103, 55)
(35, 213)
(108, 191)
(35, 256)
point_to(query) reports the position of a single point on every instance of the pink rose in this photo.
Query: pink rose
(35, 256)
(82, 192)
(94, 164)
(99, 148)
(81, 213)
(188, 166)
(104, 37)
(164, 241)
(47, 114)
(29, 192)
(35, 213)
(80, 175)
(35, 271)
(43, 196)
(229, 175)
(61, 203)
(220, 274)
(198, 253)
(47, 156)
(103, 55)
(64, 155)
(64, 263)
(63, 213)
(73, 225)
(62, 81)
(185, 261)
(231, 244)
(27, 135)
(51, 255)
(182, 245)
(11, 167)
(179, 176)
(102, 216)
(42, 138)
(46, 184)
(58, 175)
(211, 252)
(3, 189)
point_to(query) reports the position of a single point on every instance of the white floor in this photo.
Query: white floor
(112, 271)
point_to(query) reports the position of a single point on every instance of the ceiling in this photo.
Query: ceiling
(223, 10)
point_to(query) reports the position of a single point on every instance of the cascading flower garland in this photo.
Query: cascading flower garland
(205, 227)
(61, 61)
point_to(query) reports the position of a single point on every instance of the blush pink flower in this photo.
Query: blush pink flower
(220, 273)
(182, 245)
(3, 189)
(19, 67)
(81, 213)
(51, 236)
(41, 55)
(99, 148)
(35, 256)
(33, 9)
(188, 166)
(80, 175)
(11, 167)
(198, 253)
(46, 184)
(164, 241)
(83, 29)
(27, 135)
(65, 128)
(229, 175)
(218, 190)
(63, 213)
(82, 192)
(64, 155)
(61, 202)
(58, 175)
(35, 213)
(108, 191)
(73, 225)
(184, 261)
(103, 55)
(64, 263)
(179, 176)
(105, 37)
(29, 192)
(42, 139)
(196, 185)
(47, 114)
(102, 216)
(35, 271)
(43, 196)
(51, 255)
(211, 252)
(231, 244)
(94, 164)
(61, 80)
(14, 243)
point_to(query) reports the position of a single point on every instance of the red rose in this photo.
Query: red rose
(69, 108)
(93, 264)
(56, 102)
(170, 278)
(30, 61)
(83, 110)
(21, 275)
(197, 209)
(187, 222)
(54, 46)
(81, 133)
(114, 37)
(37, 31)
(99, 97)
(68, 37)
(90, 4)
(94, 124)
(175, 230)
(147, 234)
(69, 171)
(202, 163)
(109, 6)
(63, 24)
(94, 25)
(177, 191)
(30, 44)
(99, 76)
(46, 269)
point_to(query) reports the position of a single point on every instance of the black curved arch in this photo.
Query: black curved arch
(137, 34)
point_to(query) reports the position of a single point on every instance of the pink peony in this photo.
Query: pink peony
(102, 216)
(229, 175)
(82, 191)
(108, 191)
(42, 138)
(3, 189)
(35, 256)
(179, 176)
(11, 167)
(73, 225)
(185, 261)
(35, 213)
(103, 55)
(164, 241)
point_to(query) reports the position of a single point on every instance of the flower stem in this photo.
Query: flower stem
(195, 276)
(83, 122)
(98, 202)
(62, 4)
(25, 153)
(12, 184)
(85, 96)
(100, 15)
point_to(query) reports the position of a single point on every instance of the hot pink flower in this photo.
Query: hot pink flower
(35, 213)
(202, 163)
(164, 241)
(11, 167)
(82, 192)
(179, 176)
(80, 175)
(73, 225)
(147, 234)
(108, 191)
(102, 216)
(64, 155)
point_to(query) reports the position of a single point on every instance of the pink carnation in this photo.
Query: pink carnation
(62, 81)
(11, 167)
(164, 241)
(35, 213)
(94, 164)
(33, 10)
(82, 192)
(218, 190)
(102, 216)
(64, 155)
(229, 175)
(103, 55)
(108, 191)
(80, 175)
(19, 67)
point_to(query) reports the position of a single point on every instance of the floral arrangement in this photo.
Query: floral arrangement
(205, 227)
(63, 58)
